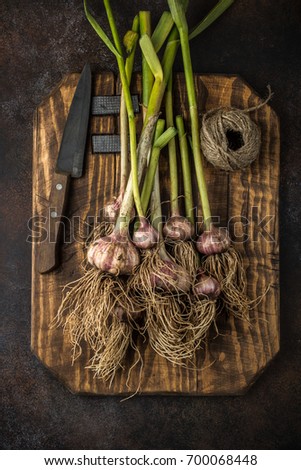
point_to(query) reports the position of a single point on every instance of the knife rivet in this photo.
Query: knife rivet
(53, 214)
(59, 186)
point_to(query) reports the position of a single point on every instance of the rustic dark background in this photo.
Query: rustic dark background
(43, 40)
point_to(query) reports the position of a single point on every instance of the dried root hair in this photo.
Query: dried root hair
(204, 313)
(186, 255)
(153, 265)
(167, 310)
(111, 351)
(228, 269)
(105, 365)
(168, 328)
(88, 312)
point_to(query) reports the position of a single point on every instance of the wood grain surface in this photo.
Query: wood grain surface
(246, 201)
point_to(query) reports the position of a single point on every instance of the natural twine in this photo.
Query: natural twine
(219, 125)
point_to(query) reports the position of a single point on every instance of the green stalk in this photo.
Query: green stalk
(152, 166)
(162, 30)
(172, 152)
(154, 64)
(180, 20)
(155, 100)
(131, 194)
(156, 210)
(170, 53)
(158, 38)
(123, 117)
(145, 144)
(130, 110)
(100, 31)
(160, 141)
(195, 129)
(124, 163)
(188, 195)
(213, 15)
(147, 76)
(151, 57)
(158, 89)
(156, 215)
(164, 139)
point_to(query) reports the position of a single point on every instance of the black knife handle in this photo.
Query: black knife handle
(48, 250)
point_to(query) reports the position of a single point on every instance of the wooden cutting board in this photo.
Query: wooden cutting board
(248, 200)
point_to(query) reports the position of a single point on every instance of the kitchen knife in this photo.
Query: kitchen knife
(69, 164)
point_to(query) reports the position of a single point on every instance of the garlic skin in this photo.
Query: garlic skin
(114, 254)
(171, 278)
(215, 240)
(111, 210)
(206, 287)
(146, 236)
(178, 228)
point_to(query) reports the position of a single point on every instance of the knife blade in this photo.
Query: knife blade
(69, 164)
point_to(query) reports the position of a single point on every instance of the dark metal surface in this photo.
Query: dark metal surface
(41, 41)
(106, 105)
(108, 143)
(72, 150)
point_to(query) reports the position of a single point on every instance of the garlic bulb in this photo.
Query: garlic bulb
(178, 228)
(146, 236)
(206, 286)
(114, 254)
(111, 210)
(215, 240)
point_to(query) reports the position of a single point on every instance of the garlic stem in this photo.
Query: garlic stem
(124, 126)
(156, 215)
(152, 166)
(147, 76)
(188, 196)
(130, 109)
(144, 148)
(124, 149)
(178, 13)
(158, 89)
(172, 151)
(162, 30)
(213, 15)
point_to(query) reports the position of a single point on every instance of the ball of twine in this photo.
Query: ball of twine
(230, 140)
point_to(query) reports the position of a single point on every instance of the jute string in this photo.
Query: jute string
(219, 125)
